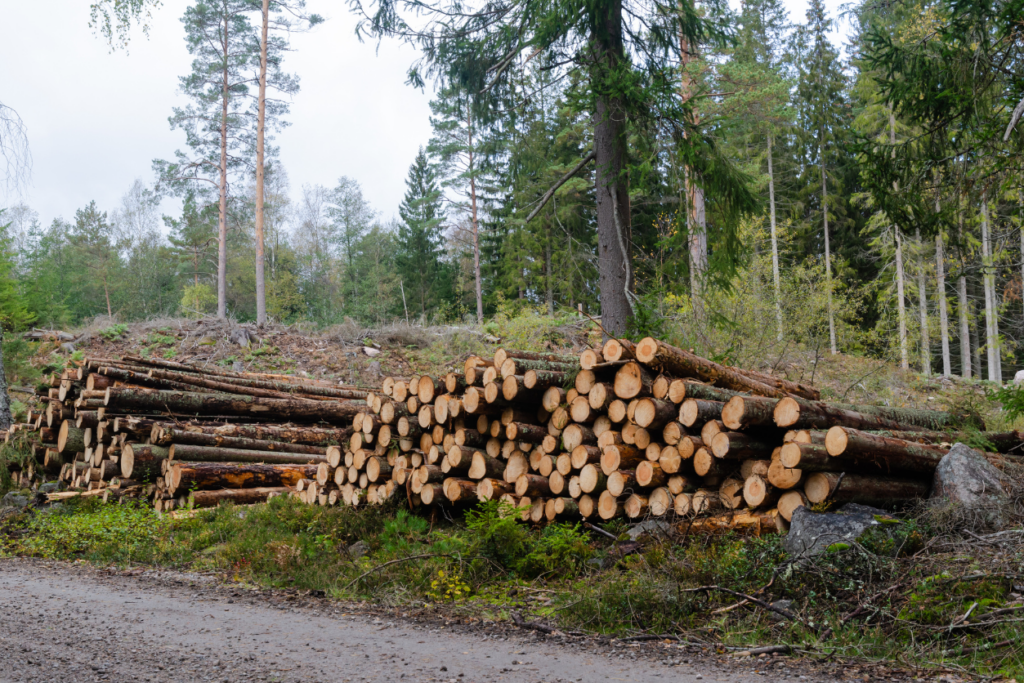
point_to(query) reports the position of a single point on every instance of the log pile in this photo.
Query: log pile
(632, 430)
(182, 434)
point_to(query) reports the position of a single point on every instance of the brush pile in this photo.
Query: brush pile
(633, 430)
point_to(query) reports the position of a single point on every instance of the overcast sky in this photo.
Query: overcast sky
(97, 119)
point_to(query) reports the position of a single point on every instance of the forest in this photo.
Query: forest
(727, 176)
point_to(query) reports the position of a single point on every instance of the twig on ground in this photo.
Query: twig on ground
(760, 603)
(599, 530)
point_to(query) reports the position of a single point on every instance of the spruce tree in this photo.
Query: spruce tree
(420, 235)
(821, 94)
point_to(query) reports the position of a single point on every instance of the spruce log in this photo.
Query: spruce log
(650, 474)
(592, 479)
(429, 388)
(618, 350)
(865, 490)
(70, 439)
(485, 467)
(705, 464)
(653, 413)
(519, 366)
(553, 397)
(680, 389)
(622, 456)
(584, 455)
(460, 490)
(673, 433)
(811, 457)
(680, 363)
(696, 412)
(740, 446)
(744, 412)
(525, 433)
(621, 481)
(887, 453)
(532, 485)
(501, 355)
(192, 453)
(795, 413)
(170, 436)
(758, 492)
(730, 492)
(632, 380)
(789, 502)
(228, 404)
(492, 489)
(142, 461)
(578, 435)
(310, 436)
(543, 379)
(782, 477)
(745, 523)
(207, 475)
(590, 357)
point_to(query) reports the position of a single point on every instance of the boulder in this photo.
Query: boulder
(1019, 377)
(14, 500)
(653, 527)
(965, 479)
(358, 549)
(812, 533)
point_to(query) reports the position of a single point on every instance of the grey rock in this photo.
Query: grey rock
(13, 500)
(654, 527)
(358, 549)
(50, 487)
(786, 605)
(1019, 377)
(68, 347)
(242, 336)
(965, 479)
(374, 368)
(811, 533)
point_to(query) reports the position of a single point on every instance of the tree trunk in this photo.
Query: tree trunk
(696, 215)
(775, 240)
(989, 280)
(478, 286)
(261, 120)
(926, 354)
(828, 253)
(963, 306)
(228, 404)
(940, 292)
(5, 400)
(900, 304)
(615, 274)
(791, 413)
(682, 363)
(548, 276)
(222, 217)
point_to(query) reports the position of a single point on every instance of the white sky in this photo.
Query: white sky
(97, 119)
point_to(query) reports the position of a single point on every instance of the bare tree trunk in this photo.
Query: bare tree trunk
(106, 293)
(476, 225)
(261, 119)
(222, 219)
(547, 272)
(926, 353)
(5, 400)
(901, 306)
(940, 292)
(775, 239)
(612, 187)
(988, 280)
(965, 324)
(828, 254)
(696, 218)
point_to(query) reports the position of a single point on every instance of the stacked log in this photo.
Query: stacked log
(183, 434)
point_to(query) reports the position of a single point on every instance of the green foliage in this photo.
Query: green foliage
(115, 533)
(114, 331)
(16, 451)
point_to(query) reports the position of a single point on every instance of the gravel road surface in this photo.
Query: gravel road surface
(63, 622)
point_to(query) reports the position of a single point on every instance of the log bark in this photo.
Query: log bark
(525, 433)
(227, 404)
(680, 389)
(811, 458)
(695, 412)
(501, 355)
(633, 380)
(310, 436)
(653, 413)
(191, 453)
(884, 492)
(847, 446)
(744, 412)
(204, 476)
(142, 461)
(169, 436)
(517, 366)
(680, 363)
(799, 414)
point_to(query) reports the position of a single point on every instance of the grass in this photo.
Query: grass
(879, 599)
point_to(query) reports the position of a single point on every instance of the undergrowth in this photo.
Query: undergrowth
(885, 597)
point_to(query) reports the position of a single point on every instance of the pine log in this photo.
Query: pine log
(532, 485)
(525, 433)
(650, 474)
(882, 492)
(789, 502)
(884, 452)
(492, 489)
(228, 404)
(483, 466)
(608, 506)
(553, 397)
(191, 453)
(782, 477)
(621, 456)
(811, 457)
(592, 479)
(695, 412)
(590, 357)
(746, 523)
(501, 355)
(680, 389)
(204, 476)
(757, 492)
(518, 366)
(682, 363)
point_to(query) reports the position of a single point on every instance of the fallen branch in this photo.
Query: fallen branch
(391, 562)
(517, 619)
(768, 650)
(750, 598)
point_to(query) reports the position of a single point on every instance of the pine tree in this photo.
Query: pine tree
(420, 235)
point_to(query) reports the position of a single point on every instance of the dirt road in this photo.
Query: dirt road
(62, 622)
